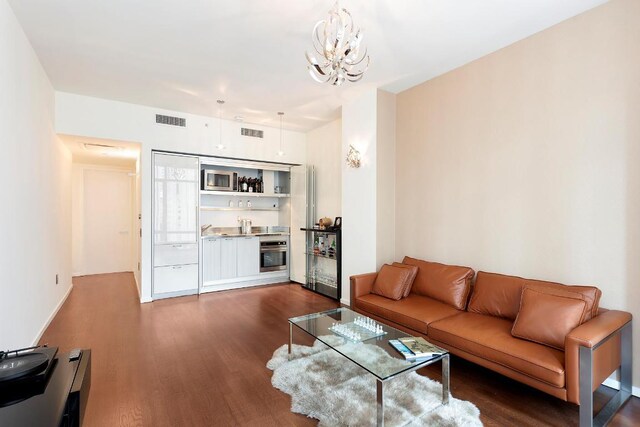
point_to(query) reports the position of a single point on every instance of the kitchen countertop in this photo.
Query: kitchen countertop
(208, 232)
(210, 235)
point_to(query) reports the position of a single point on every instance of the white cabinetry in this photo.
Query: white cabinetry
(228, 258)
(173, 279)
(248, 256)
(176, 183)
(211, 260)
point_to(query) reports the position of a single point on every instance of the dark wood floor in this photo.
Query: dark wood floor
(200, 361)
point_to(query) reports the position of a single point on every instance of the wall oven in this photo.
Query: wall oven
(273, 254)
(215, 180)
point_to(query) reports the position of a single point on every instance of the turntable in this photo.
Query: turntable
(33, 363)
(40, 388)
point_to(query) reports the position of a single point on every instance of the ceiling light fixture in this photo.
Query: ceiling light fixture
(220, 145)
(337, 42)
(280, 152)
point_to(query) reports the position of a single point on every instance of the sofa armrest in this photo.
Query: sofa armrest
(361, 284)
(606, 352)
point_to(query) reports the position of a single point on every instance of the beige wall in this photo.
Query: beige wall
(526, 161)
(385, 178)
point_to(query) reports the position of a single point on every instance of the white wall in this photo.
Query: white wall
(100, 118)
(324, 152)
(36, 193)
(368, 193)
(77, 214)
(525, 161)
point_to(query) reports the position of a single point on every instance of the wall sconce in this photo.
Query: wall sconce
(353, 157)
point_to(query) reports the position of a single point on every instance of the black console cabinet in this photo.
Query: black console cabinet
(59, 401)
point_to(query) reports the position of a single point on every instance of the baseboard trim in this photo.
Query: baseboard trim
(53, 314)
(615, 384)
(145, 300)
(345, 302)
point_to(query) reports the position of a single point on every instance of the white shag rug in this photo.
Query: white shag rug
(330, 388)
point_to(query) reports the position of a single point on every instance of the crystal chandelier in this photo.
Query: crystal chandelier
(337, 42)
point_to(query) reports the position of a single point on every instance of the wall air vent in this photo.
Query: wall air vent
(171, 121)
(253, 133)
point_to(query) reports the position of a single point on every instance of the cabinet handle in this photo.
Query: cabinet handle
(177, 267)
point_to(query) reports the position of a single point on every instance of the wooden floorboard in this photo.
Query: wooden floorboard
(200, 361)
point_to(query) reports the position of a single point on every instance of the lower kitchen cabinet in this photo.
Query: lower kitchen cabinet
(211, 260)
(248, 257)
(175, 278)
(228, 258)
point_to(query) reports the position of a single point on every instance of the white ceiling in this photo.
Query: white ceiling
(183, 55)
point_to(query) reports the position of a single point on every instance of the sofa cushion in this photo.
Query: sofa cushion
(547, 316)
(490, 338)
(415, 311)
(446, 283)
(499, 295)
(412, 276)
(390, 282)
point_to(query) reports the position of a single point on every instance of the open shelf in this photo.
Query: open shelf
(242, 194)
(209, 208)
(321, 256)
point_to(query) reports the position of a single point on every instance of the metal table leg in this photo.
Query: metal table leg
(380, 403)
(290, 338)
(445, 380)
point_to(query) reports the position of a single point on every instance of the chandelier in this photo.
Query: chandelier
(337, 42)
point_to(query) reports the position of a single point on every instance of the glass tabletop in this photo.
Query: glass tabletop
(374, 354)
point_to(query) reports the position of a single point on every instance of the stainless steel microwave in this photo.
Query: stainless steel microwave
(213, 180)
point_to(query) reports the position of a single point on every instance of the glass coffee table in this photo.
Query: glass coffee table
(321, 326)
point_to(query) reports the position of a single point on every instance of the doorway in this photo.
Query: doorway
(105, 206)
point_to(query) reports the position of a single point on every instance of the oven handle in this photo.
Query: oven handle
(280, 249)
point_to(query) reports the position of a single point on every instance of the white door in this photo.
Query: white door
(107, 221)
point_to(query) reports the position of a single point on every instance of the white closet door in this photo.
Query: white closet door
(176, 191)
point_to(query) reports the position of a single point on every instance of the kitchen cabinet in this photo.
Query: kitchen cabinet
(176, 191)
(248, 256)
(228, 258)
(175, 279)
(211, 260)
(175, 254)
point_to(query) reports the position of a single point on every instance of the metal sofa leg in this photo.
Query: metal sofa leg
(587, 418)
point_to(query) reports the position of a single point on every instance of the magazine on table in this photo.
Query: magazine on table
(411, 356)
(420, 347)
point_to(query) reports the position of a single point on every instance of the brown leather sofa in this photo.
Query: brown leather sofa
(477, 323)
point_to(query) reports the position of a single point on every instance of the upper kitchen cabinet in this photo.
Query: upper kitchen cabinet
(176, 181)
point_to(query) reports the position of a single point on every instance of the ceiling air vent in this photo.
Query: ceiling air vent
(253, 133)
(172, 121)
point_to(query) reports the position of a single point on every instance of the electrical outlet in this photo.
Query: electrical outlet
(57, 279)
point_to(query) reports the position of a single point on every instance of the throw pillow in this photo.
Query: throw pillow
(390, 282)
(412, 276)
(547, 316)
(449, 284)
